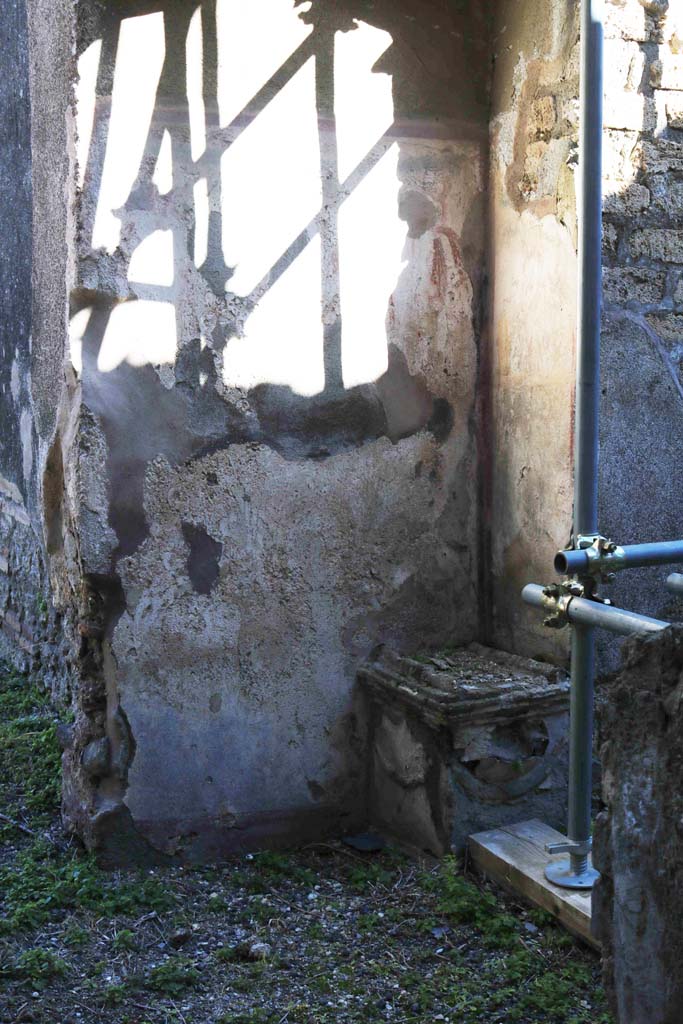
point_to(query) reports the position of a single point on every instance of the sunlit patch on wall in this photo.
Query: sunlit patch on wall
(163, 170)
(152, 260)
(86, 87)
(78, 325)
(270, 179)
(283, 337)
(194, 69)
(363, 103)
(200, 192)
(371, 242)
(139, 60)
(254, 40)
(139, 332)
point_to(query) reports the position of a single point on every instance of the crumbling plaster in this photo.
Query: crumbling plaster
(225, 543)
(243, 545)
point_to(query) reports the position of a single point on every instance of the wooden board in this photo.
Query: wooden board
(515, 857)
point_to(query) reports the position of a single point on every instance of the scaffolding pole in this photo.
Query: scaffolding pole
(576, 871)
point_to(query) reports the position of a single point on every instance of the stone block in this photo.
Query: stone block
(662, 157)
(465, 741)
(624, 66)
(658, 244)
(678, 292)
(629, 111)
(610, 239)
(620, 155)
(667, 71)
(638, 838)
(625, 200)
(669, 326)
(674, 112)
(667, 196)
(623, 285)
(626, 19)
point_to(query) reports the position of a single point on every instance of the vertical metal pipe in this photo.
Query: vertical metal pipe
(587, 437)
(590, 270)
(581, 743)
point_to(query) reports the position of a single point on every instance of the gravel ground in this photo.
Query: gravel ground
(321, 934)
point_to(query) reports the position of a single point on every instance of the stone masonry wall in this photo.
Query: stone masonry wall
(641, 474)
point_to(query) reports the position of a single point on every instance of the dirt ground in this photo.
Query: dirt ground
(321, 934)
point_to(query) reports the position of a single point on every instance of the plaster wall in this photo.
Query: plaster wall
(274, 326)
(527, 472)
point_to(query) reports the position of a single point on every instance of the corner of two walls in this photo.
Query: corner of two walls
(533, 274)
(229, 535)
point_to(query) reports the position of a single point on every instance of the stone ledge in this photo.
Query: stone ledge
(462, 741)
(476, 683)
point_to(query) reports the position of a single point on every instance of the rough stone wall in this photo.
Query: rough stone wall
(270, 459)
(527, 464)
(638, 841)
(641, 476)
(30, 634)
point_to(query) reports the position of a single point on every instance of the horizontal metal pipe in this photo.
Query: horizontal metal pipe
(674, 582)
(583, 561)
(583, 612)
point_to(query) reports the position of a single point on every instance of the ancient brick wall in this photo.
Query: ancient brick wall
(641, 472)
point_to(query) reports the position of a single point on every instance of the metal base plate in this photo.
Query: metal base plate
(560, 872)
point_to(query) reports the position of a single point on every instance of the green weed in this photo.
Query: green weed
(173, 977)
(42, 881)
(39, 966)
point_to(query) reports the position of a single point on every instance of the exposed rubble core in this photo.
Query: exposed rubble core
(638, 901)
(642, 343)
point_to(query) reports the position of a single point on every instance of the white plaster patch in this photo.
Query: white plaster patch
(15, 380)
(26, 434)
(503, 127)
(10, 490)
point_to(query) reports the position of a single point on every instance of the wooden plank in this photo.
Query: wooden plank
(515, 857)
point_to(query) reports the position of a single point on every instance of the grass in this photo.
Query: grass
(354, 938)
(29, 753)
